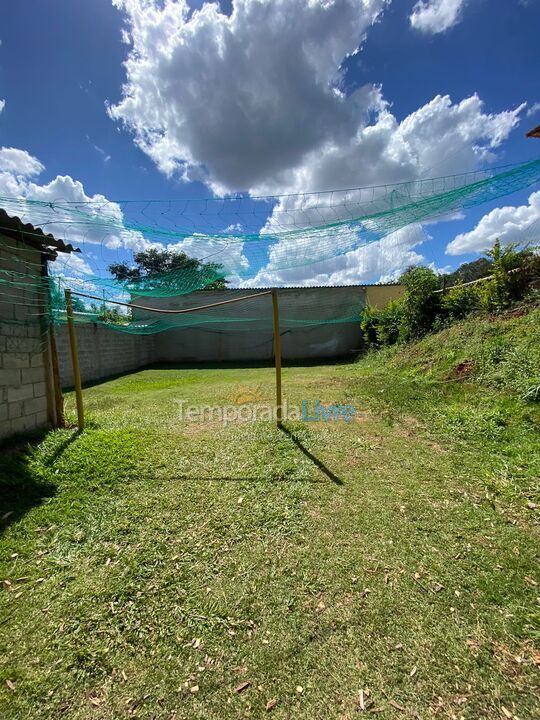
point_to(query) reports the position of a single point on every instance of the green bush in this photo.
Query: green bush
(420, 305)
(389, 325)
(369, 321)
(513, 272)
(381, 327)
(461, 301)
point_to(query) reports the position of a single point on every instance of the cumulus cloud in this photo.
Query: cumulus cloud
(254, 101)
(234, 100)
(227, 252)
(17, 167)
(509, 224)
(2, 105)
(436, 16)
(101, 221)
(383, 260)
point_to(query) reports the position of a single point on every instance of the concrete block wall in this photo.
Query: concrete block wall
(23, 372)
(102, 352)
(233, 341)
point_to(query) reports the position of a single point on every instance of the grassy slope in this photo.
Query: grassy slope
(149, 557)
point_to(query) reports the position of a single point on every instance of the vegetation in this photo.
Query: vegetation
(154, 567)
(154, 262)
(427, 306)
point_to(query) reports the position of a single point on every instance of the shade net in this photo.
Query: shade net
(238, 242)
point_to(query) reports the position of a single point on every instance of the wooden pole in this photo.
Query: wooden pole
(75, 360)
(50, 355)
(59, 398)
(277, 356)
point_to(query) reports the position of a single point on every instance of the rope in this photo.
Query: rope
(172, 312)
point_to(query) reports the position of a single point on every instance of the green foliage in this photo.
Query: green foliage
(160, 262)
(460, 301)
(513, 271)
(420, 305)
(513, 274)
(369, 322)
(468, 272)
(114, 316)
(382, 326)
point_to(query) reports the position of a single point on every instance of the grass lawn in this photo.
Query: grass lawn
(387, 567)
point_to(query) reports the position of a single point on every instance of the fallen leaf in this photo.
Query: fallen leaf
(413, 671)
(506, 712)
(299, 689)
(10, 685)
(194, 689)
(271, 704)
(243, 686)
(396, 705)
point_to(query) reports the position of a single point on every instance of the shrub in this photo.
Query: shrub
(389, 323)
(461, 301)
(369, 321)
(420, 306)
(381, 327)
(513, 272)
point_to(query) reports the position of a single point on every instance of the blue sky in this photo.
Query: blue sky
(61, 64)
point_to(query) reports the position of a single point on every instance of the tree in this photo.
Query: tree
(468, 271)
(154, 263)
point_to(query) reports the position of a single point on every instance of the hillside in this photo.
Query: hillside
(477, 383)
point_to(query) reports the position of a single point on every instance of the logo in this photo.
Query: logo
(247, 408)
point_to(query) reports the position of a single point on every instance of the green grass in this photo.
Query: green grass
(395, 555)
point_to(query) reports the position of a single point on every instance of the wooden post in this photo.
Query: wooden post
(55, 401)
(277, 356)
(59, 398)
(75, 360)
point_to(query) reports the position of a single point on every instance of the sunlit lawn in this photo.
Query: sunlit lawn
(155, 567)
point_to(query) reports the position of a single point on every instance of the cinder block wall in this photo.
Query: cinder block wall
(102, 352)
(240, 341)
(23, 374)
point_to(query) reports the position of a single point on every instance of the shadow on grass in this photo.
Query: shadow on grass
(20, 488)
(315, 460)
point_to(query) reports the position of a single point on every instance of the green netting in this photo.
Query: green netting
(248, 241)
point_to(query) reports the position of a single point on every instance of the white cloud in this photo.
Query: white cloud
(534, 109)
(78, 218)
(19, 163)
(509, 224)
(2, 105)
(436, 16)
(237, 99)
(253, 101)
(72, 263)
(227, 252)
(382, 261)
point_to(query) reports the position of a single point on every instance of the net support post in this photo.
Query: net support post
(74, 360)
(277, 356)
